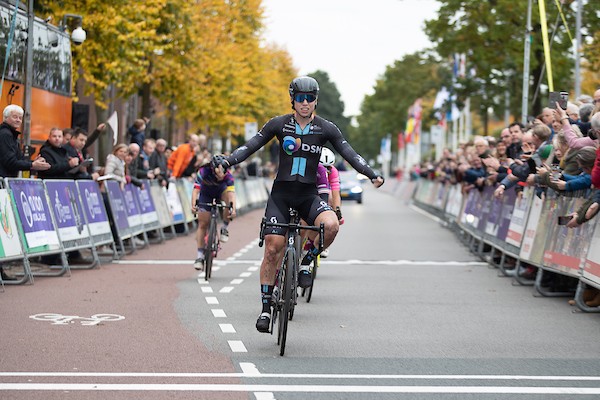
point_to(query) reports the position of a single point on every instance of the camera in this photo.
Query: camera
(561, 98)
(593, 134)
(78, 36)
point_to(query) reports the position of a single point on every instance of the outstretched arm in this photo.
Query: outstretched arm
(342, 146)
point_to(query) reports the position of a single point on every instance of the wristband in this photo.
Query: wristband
(567, 118)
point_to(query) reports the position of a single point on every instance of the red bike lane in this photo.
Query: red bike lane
(150, 339)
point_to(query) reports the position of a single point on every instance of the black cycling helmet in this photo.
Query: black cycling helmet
(304, 84)
(218, 159)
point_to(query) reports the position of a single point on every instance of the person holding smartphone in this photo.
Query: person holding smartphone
(522, 168)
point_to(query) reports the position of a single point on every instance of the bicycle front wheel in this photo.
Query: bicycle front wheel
(287, 299)
(210, 248)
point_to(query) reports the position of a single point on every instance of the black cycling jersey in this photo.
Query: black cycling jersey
(301, 148)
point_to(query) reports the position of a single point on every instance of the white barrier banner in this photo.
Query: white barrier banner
(10, 245)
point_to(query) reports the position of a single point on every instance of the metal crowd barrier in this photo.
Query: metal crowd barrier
(55, 217)
(522, 227)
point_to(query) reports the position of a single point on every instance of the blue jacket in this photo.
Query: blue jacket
(577, 182)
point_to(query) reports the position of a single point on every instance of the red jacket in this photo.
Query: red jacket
(180, 159)
(596, 170)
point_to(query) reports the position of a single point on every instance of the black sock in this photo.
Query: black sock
(310, 255)
(266, 292)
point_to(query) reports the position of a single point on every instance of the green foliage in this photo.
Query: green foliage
(385, 111)
(330, 106)
(491, 33)
(204, 57)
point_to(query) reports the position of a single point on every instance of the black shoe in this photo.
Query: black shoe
(263, 323)
(304, 278)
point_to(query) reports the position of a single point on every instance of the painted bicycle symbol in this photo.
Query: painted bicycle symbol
(60, 319)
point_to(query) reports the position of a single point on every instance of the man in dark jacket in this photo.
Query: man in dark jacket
(75, 149)
(12, 159)
(158, 162)
(57, 157)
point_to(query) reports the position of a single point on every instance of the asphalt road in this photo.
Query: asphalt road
(400, 310)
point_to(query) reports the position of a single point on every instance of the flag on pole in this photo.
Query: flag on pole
(113, 122)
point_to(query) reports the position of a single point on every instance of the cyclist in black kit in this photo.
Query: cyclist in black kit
(302, 135)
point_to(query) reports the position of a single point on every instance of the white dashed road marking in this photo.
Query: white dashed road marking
(227, 328)
(212, 300)
(218, 313)
(237, 346)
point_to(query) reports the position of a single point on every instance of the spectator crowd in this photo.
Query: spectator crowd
(559, 150)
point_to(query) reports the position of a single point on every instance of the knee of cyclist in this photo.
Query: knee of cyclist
(271, 253)
(332, 228)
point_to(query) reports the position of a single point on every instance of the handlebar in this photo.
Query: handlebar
(292, 225)
(220, 204)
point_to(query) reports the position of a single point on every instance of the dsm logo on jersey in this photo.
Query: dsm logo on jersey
(292, 145)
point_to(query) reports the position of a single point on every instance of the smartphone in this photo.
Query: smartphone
(486, 154)
(561, 98)
(563, 220)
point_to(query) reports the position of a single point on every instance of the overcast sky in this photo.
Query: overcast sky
(353, 41)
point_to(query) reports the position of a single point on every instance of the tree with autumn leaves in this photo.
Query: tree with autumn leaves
(205, 57)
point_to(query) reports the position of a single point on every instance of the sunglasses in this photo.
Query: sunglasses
(300, 97)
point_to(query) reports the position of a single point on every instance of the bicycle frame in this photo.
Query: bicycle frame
(212, 241)
(286, 277)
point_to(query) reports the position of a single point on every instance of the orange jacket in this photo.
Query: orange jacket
(180, 159)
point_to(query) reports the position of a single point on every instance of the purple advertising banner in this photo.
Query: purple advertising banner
(148, 211)
(29, 196)
(486, 206)
(510, 198)
(67, 209)
(134, 217)
(117, 204)
(145, 198)
(92, 201)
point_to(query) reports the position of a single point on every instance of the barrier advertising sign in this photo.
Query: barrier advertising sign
(134, 218)
(565, 248)
(185, 196)
(10, 246)
(159, 198)
(118, 208)
(94, 211)
(33, 210)
(68, 213)
(518, 220)
(591, 270)
(508, 204)
(147, 209)
(175, 204)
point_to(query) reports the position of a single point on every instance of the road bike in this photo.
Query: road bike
(212, 238)
(285, 292)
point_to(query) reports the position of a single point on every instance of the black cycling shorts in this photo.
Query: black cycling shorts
(301, 196)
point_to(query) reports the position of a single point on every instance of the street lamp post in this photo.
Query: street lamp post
(28, 79)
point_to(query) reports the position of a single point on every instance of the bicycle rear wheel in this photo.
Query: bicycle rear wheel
(287, 300)
(209, 249)
(314, 276)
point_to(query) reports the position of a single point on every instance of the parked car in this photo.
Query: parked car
(351, 186)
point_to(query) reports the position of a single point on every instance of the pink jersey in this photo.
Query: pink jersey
(322, 182)
(334, 178)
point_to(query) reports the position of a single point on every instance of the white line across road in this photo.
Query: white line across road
(406, 263)
(266, 391)
(163, 387)
(255, 374)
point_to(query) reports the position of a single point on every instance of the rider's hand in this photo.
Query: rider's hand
(378, 181)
